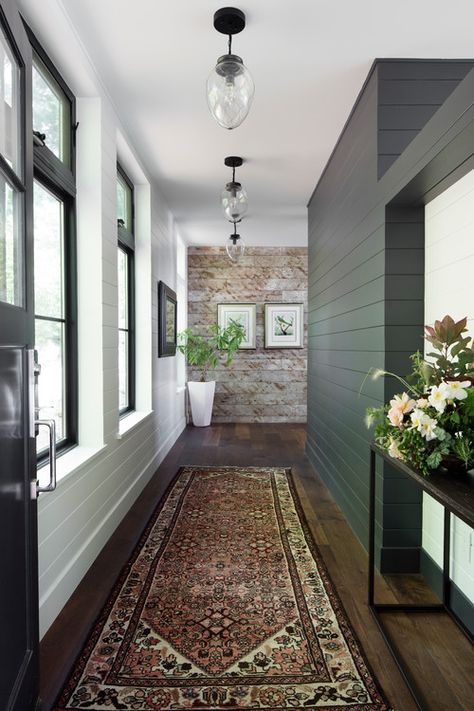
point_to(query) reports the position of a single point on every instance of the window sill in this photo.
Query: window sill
(132, 420)
(72, 460)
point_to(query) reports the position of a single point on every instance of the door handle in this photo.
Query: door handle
(51, 425)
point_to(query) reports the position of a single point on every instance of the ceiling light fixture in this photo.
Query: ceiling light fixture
(230, 86)
(234, 198)
(236, 246)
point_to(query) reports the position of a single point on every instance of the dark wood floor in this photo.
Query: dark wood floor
(439, 655)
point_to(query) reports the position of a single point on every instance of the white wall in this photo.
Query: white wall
(100, 479)
(449, 289)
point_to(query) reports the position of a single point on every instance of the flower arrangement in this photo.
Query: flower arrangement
(431, 423)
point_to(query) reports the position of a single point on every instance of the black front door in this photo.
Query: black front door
(18, 532)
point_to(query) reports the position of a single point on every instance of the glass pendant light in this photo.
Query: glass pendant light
(230, 86)
(234, 198)
(235, 246)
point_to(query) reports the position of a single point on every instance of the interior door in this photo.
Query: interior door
(18, 524)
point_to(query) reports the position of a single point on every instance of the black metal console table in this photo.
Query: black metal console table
(455, 493)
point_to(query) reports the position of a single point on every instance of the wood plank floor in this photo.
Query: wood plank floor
(439, 655)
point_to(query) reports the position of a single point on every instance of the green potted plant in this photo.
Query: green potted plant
(205, 353)
(431, 423)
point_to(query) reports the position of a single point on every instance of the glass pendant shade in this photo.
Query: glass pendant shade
(230, 91)
(235, 249)
(234, 201)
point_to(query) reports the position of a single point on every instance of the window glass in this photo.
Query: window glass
(49, 253)
(51, 112)
(123, 371)
(49, 342)
(11, 258)
(9, 106)
(125, 281)
(122, 289)
(123, 355)
(50, 321)
(124, 203)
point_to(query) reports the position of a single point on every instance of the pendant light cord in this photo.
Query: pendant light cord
(233, 174)
(230, 44)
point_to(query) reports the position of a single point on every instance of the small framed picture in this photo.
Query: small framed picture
(167, 304)
(245, 315)
(283, 325)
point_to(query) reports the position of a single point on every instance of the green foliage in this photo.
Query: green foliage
(422, 374)
(463, 447)
(454, 358)
(206, 352)
(468, 408)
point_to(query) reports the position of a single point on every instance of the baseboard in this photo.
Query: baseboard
(459, 603)
(56, 596)
(399, 560)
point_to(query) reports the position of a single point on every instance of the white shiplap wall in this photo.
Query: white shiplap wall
(449, 289)
(110, 468)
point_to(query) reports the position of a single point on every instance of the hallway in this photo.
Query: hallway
(276, 445)
(160, 264)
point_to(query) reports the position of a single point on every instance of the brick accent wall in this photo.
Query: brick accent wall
(262, 385)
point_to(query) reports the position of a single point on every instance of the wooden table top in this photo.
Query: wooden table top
(454, 490)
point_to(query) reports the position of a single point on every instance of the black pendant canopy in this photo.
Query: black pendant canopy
(229, 20)
(233, 161)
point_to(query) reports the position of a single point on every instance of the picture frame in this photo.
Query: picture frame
(167, 321)
(246, 314)
(284, 325)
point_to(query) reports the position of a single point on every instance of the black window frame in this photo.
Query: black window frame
(60, 179)
(126, 242)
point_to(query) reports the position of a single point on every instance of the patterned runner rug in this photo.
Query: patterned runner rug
(225, 603)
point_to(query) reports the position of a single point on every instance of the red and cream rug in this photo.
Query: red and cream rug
(225, 604)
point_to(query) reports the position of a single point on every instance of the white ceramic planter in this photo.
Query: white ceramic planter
(201, 398)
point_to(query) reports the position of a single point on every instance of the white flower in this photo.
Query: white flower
(438, 397)
(393, 450)
(422, 403)
(455, 389)
(424, 424)
(417, 417)
(427, 428)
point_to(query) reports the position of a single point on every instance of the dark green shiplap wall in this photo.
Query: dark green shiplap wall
(409, 94)
(366, 264)
(346, 264)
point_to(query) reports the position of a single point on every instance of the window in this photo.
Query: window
(54, 252)
(11, 178)
(51, 112)
(126, 293)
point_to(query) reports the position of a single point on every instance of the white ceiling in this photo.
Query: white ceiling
(308, 59)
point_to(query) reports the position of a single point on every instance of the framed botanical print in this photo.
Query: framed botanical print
(283, 325)
(243, 314)
(167, 308)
